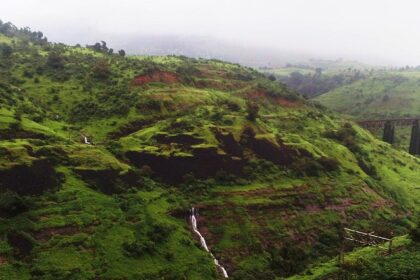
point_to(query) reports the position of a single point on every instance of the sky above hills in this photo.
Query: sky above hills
(375, 31)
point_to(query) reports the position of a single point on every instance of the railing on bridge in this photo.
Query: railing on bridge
(382, 122)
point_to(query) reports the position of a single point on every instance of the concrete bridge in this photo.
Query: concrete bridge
(389, 130)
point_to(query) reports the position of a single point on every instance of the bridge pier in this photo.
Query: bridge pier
(415, 139)
(389, 132)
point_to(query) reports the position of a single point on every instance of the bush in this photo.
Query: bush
(347, 136)
(402, 266)
(101, 70)
(329, 164)
(139, 247)
(415, 233)
(55, 60)
(160, 232)
(6, 50)
(11, 204)
(252, 110)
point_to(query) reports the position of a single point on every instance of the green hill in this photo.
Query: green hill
(383, 95)
(274, 177)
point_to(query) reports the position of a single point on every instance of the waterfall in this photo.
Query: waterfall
(204, 244)
(86, 140)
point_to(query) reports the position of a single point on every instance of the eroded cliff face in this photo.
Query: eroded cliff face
(204, 160)
(25, 172)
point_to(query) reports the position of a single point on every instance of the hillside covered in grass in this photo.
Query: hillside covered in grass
(103, 155)
(389, 94)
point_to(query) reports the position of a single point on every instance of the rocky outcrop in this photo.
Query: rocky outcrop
(31, 179)
(181, 139)
(228, 143)
(204, 163)
(274, 151)
(109, 181)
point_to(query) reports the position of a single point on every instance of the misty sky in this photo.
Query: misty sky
(373, 31)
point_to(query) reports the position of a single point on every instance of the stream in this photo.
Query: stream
(204, 244)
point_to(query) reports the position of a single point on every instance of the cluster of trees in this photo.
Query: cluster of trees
(315, 84)
(102, 48)
(25, 33)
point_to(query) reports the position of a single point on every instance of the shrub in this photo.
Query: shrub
(139, 247)
(11, 204)
(101, 70)
(252, 110)
(6, 50)
(160, 232)
(55, 60)
(329, 164)
(415, 232)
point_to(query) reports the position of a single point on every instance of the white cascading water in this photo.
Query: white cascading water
(204, 244)
(86, 140)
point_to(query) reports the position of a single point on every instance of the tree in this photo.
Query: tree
(252, 109)
(101, 70)
(121, 53)
(55, 60)
(272, 77)
(6, 50)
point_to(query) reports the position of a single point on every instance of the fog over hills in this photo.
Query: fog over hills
(373, 32)
(209, 47)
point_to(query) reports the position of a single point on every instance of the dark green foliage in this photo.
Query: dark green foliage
(6, 50)
(329, 164)
(148, 237)
(25, 33)
(346, 135)
(415, 232)
(12, 204)
(315, 84)
(121, 53)
(399, 266)
(101, 70)
(367, 167)
(306, 166)
(99, 47)
(288, 260)
(252, 110)
(55, 60)
(139, 248)
(113, 100)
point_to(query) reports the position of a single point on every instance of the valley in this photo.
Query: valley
(137, 167)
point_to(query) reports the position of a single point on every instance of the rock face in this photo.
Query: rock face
(7, 134)
(204, 163)
(109, 181)
(276, 152)
(31, 179)
(228, 143)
